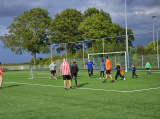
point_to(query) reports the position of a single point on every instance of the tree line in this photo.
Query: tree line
(34, 30)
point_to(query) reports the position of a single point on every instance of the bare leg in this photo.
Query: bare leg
(70, 82)
(64, 83)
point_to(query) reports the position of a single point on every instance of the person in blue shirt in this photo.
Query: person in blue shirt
(102, 68)
(90, 65)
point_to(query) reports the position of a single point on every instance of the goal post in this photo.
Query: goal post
(41, 72)
(112, 53)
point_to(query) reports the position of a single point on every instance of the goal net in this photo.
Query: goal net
(114, 57)
(41, 72)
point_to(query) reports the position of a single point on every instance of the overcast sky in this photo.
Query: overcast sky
(139, 17)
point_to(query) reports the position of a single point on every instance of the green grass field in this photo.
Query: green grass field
(23, 98)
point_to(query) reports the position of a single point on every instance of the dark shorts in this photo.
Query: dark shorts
(147, 68)
(68, 77)
(53, 71)
(108, 71)
(89, 70)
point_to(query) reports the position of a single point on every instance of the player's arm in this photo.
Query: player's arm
(50, 67)
(3, 73)
(85, 66)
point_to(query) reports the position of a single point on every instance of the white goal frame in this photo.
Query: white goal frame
(32, 77)
(112, 53)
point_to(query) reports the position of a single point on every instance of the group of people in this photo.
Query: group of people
(71, 71)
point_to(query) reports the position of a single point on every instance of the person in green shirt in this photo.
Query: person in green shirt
(148, 67)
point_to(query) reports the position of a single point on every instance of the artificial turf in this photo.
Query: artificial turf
(23, 98)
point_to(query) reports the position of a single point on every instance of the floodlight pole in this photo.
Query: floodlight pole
(126, 33)
(103, 48)
(153, 32)
(51, 53)
(157, 50)
(66, 51)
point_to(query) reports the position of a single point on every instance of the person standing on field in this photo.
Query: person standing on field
(102, 69)
(65, 71)
(1, 79)
(118, 72)
(108, 70)
(74, 71)
(53, 69)
(90, 66)
(148, 67)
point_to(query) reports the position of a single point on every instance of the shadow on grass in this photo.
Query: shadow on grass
(11, 86)
(81, 85)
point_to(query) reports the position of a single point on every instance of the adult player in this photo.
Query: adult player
(148, 67)
(108, 70)
(1, 79)
(74, 70)
(90, 66)
(65, 71)
(53, 69)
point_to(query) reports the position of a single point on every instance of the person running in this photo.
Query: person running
(74, 71)
(1, 79)
(134, 71)
(65, 71)
(102, 68)
(53, 69)
(90, 65)
(118, 72)
(148, 67)
(121, 71)
(108, 70)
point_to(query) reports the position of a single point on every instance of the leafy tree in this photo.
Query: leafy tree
(64, 28)
(90, 11)
(96, 26)
(29, 33)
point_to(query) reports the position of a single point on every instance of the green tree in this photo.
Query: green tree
(29, 33)
(64, 28)
(90, 11)
(96, 26)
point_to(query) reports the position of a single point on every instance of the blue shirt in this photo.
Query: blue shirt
(89, 65)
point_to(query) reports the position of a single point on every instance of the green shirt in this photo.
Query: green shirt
(148, 65)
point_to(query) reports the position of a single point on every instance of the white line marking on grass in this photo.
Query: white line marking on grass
(86, 88)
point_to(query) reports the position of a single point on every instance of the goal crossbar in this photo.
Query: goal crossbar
(112, 53)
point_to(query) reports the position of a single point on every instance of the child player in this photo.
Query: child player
(118, 72)
(90, 65)
(134, 71)
(148, 66)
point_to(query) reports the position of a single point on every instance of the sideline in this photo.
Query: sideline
(86, 88)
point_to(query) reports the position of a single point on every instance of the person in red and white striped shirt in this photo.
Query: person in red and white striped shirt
(65, 71)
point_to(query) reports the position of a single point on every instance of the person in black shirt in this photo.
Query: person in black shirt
(118, 72)
(74, 70)
(134, 71)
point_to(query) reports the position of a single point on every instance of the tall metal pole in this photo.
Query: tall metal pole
(126, 30)
(66, 51)
(103, 48)
(153, 32)
(51, 53)
(157, 50)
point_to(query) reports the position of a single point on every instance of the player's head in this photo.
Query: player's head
(106, 57)
(89, 60)
(0, 63)
(54, 61)
(147, 61)
(133, 65)
(64, 59)
(102, 60)
(118, 63)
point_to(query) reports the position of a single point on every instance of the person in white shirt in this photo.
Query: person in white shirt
(53, 69)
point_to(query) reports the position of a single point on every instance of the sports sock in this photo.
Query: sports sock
(147, 72)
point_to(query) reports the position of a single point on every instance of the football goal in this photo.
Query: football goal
(114, 57)
(41, 72)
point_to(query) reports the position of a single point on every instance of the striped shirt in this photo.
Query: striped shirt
(65, 68)
(0, 72)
